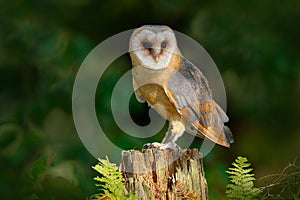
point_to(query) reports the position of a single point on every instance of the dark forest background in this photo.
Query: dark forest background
(255, 45)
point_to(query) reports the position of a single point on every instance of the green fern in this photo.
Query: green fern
(110, 182)
(241, 186)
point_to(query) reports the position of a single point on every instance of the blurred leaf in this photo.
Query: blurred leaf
(11, 138)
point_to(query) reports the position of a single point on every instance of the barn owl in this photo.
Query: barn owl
(174, 87)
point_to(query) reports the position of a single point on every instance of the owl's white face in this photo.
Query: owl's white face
(153, 46)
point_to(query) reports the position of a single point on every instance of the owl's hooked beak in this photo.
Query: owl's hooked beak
(155, 52)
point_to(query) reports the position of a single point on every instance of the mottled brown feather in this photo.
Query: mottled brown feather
(189, 91)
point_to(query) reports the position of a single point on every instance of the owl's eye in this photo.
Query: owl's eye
(163, 45)
(147, 45)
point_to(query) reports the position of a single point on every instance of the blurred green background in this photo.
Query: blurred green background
(255, 45)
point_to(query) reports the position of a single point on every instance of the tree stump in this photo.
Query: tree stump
(152, 174)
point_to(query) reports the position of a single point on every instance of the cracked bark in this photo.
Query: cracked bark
(152, 174)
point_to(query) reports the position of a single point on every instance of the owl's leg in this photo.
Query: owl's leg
(176, 129)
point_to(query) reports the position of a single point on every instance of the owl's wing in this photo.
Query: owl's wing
(188, 89)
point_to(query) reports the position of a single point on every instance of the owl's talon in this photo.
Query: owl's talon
(153, 145)
(163, 146)
(171, 146)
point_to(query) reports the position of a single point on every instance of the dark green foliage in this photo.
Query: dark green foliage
(241, 186)
(110, 182)
(47, 181)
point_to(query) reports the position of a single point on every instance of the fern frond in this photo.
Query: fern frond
(110, 182)
(241, 186)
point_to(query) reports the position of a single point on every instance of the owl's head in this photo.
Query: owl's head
(153, 45)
